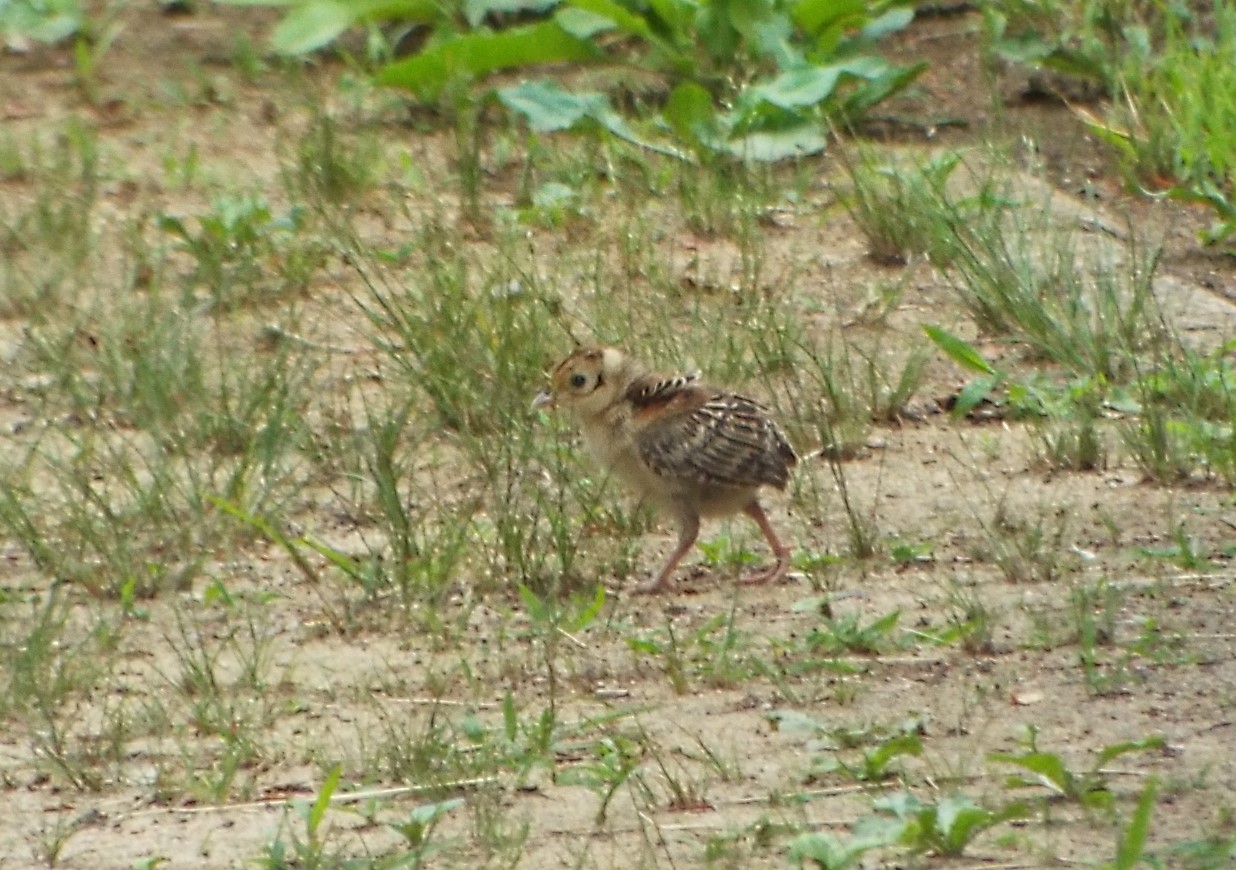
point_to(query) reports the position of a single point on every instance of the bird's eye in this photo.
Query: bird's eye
(578, 380)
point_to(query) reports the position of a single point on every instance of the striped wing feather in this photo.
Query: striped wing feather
(712, 438)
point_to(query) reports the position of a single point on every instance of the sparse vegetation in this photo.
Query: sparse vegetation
(290, 558)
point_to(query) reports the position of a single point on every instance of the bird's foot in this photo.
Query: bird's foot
(772, 574)
(657, 586)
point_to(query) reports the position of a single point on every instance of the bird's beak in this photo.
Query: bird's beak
(544, 399)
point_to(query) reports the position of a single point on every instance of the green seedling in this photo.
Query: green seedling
(1131, 843)
(828, 852)
(722, 552)
(417, 831)
(553, 622)
(310, 851)
(615, 759)
(848, 634)
(946, 828)
(1049, 770)
(718, 652)
(874, 765)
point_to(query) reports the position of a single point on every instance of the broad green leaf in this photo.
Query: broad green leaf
(548, 108)
(813, 16)
(647, 647)
(309, 26)
(901, 804)
(885, 624)
(1075, 63)
(1048, 768)
(433, 812)
(690, 113)
(1029, 47)
(972, 394)
(676, 15)
(476, 10)
(826, 851)
(809, 86)
(958, 819)
(770, 146)
(892, 21)
(959, 351)
(1115, 750)
(802, 87)
(906, 744)
(622, 18)
(538, 612)
(767, 31)
(475, 55)
(880, 830)
(583, 24)
(589, 613)
(880, 86)
(50, 21)
(865, 67)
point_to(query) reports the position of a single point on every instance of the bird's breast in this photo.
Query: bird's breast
(616, 451)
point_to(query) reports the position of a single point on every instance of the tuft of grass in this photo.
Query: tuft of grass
(331, 164)
(48, 237)
(1187, 401)
(1024, 277)
(242, 253)
(1174, 123)
(903, 209)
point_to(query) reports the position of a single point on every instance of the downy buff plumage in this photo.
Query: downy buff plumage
(690, 449)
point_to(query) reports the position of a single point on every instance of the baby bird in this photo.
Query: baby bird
(690, 449)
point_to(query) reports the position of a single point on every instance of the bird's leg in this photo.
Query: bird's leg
(780, 550)
(688, 531)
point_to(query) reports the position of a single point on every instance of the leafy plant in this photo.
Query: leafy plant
(1083, 40)
(233, 245)
(417, 831)
(848, 634)
(759, 81)
(554, 621)
(1065, 416)
(42, 20)
(615, 760)
(716, 650)
(1049, 770)
(946, 828)
(1187, 401)
(873, 765)
(723, 552)
(1167, 65)
(829, 852)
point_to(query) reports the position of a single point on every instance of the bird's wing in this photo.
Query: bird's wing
(711, 437)
(651, 391)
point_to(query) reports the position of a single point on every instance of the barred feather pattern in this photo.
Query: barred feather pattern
(709, 437)
(648, 391)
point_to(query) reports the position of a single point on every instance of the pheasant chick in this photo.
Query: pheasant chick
(689, 449)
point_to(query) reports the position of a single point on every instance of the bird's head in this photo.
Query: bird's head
(587, 381)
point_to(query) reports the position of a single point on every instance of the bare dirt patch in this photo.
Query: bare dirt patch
(708, 710)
